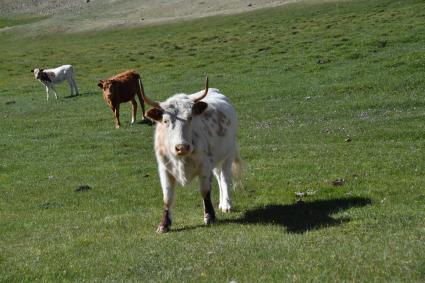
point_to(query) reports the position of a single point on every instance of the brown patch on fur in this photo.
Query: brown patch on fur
(223, 124)
(46, 76)
(51, 75)
(165, 224)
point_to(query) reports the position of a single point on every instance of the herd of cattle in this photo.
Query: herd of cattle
(195, 135)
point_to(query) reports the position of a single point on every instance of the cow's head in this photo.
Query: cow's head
(43, 76)
(37, 73)
(175, 117)
(107, 86)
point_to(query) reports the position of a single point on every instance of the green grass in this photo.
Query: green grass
(16, 20)
(303, 78)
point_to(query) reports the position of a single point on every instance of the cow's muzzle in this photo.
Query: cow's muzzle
(182, 149)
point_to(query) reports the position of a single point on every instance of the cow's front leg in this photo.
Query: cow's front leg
(47, 92)
(133, 110)
(168, 184)
(205, 188)
(116, 111)
(225, 184)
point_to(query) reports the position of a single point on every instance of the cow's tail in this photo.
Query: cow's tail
(237, 170)
(141, 95)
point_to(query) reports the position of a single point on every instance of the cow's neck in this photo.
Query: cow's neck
(184, 169)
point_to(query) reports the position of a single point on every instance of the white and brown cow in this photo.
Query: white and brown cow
(123, 88)
(51, 77)
(195, 137)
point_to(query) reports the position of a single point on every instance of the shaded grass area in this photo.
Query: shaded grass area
(323, 92)
(303, 216)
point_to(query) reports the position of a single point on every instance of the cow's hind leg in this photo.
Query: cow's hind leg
(71, 86)
(133, 110)
(54, 91)
(143, 110)
(168, 184)
(145, 120)
(205, 188)
(217, 174)
(74, 85)
(224, 179)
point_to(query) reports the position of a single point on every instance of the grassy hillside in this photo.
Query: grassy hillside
(323, 92)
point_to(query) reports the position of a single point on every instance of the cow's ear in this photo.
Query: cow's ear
(100, 84)
(155, 114)
(199, 107)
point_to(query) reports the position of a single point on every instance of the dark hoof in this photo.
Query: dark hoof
(209, 219)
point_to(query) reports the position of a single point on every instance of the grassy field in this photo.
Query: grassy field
(323, 92)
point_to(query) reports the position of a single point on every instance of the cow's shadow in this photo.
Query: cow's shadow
(82, 94)
(145, 122)
(299, 217)
(302, 216)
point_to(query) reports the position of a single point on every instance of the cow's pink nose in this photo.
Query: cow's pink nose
(182, 149)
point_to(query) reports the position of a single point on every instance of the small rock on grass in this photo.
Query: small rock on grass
(338, 182)
(83, 188)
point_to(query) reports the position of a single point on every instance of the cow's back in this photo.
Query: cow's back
(126, 76)
(60, 73)
(126, 86)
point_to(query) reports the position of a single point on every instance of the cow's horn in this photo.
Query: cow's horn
(205, 92)
(146, 99)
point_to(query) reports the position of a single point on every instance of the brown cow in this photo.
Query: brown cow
(123, 88)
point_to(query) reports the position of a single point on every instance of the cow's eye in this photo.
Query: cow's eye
(165, 121)
(190, 118)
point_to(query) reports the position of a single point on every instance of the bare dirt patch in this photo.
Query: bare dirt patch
(84, 15)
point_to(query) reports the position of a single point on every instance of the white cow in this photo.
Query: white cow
(51, 77)
(195, 136)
